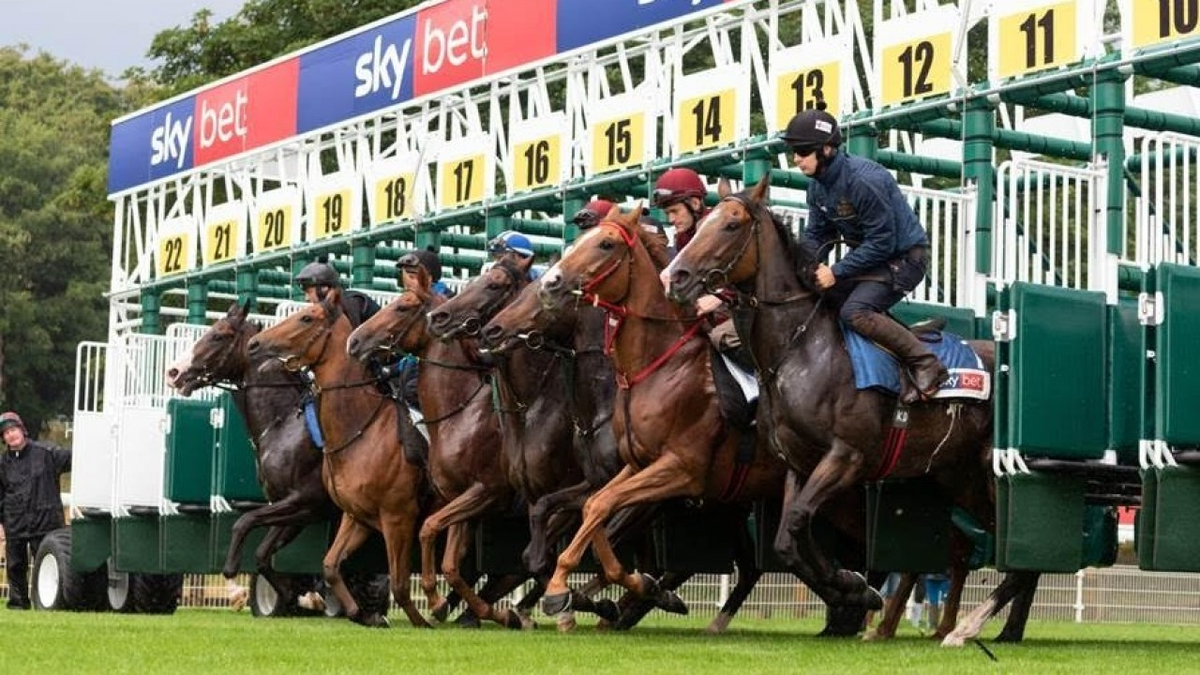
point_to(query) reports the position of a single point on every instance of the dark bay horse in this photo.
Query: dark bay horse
(365, 470)
(289, 465)
(672, 438)
(465, 467)
(816, 418)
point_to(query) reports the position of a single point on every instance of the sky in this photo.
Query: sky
(111, 35)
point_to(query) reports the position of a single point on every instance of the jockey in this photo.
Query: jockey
(680, 194)
(517, 247)
(317, 278)
(858, 201)
(408, 268)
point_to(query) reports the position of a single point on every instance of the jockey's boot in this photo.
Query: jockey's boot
(927, 372)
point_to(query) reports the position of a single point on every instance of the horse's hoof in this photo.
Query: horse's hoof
(1005, 636)
(649, 586)
(238, 599)
(553, 604)
(873, 601)
(511, 620)
(719, 624)
(371, 620)
(844, 620)
(565, 622)
(467, 620)
(607, 610)
(440, 611)
(669, 601)
(953, 640)
(876, 635)
(527, 622)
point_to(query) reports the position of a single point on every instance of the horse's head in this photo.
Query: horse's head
(303, 338)
(398, 327)
(527, 321)
(479, 301)
(599, 266)
(219, 354)
(724, 250)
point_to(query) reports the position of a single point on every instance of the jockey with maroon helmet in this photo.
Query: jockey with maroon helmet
(680, 194)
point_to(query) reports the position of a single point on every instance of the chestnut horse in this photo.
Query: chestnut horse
(365, 470)
(466, 471)
(289, 465)
(673, 439)
(826, 428)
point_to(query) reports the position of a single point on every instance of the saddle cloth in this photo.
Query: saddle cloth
(875, 368)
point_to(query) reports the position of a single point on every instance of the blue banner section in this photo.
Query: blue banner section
(356, 75)
(582, 22)
(155, 144)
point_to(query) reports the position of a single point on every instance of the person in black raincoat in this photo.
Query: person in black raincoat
(30, 500)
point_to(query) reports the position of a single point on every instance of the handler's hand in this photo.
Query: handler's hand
(825, 278)
(707, 304)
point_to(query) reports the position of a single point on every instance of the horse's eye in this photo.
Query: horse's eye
(608, 244)
(731, 225)
(219, 337)
(304, 318)
(494, 286)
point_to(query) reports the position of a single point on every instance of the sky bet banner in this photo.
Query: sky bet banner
(438, 47)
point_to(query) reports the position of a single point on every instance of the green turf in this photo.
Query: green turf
(211, 641)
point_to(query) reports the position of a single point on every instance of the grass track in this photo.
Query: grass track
(210, 641)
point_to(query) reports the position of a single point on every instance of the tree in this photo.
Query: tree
(55, 226)
(265, 29)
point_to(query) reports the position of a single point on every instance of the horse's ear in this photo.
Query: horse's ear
(333, 301)
(233, 311)
(613, 214)
(523, 264)
(723, 188)
(244, 308)
(631, 219)
(762, 189)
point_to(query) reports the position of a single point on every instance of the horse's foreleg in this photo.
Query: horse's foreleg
(296, 508)
(970, 627)
(1022, 602)
(430, 529)
(537, 554)
(958, 582)
(276, 538)
(836, 471)
(350, 536)
(398, 538)
(748, 574)
(579, 543)
(456, 515)
(666, 477)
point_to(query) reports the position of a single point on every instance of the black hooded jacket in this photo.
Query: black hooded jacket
(30, 500)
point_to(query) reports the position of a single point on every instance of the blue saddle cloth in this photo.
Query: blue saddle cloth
(875, 368)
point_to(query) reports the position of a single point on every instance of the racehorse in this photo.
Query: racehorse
(826, 428)
(464, 468)
(289, 465)
(365, 470)
(673, 439)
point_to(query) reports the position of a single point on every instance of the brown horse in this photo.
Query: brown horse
(465, 469)
(816, 418)
(289, 464)
(365, 471)
(673, 439)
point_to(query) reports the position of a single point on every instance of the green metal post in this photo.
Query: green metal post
(247, 286)
(570, 207)
(754, 169)
(297, 265)
(151, 306)
(979, 126)
(1108, 127)
(362, 265)
(862, 140)
(197, 302)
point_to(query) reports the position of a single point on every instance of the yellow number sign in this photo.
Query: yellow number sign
(174, 254)
(1156, 21)
(220, 240)
(706, 121)
(618, 143)
(536, 163)
(393, 198)
(798, 90)
(916, 69)
(1037, 38)
(461, 181)
(331, 214)
(274, 228)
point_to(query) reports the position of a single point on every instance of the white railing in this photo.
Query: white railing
(1050, 225)
(1168, 209)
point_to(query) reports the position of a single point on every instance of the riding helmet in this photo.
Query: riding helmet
(318, 274)
(813, 128)
(677, 185)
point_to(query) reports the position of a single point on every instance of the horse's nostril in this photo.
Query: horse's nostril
(172, 373)
(438, 318)
(492, 334)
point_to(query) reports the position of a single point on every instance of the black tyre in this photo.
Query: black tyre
(264, 599)
(137, 593)
(56, 586)
(372, 591)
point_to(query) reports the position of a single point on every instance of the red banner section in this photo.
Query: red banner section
(247, 113)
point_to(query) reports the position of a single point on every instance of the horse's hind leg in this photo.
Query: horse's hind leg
(537, 556)
(1018, 615)
(456, 545)
(958, 582)
(893, 609)
(290, 510)
(350, 535)
(970, 627)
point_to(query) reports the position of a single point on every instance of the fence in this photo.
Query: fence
(1120, 594)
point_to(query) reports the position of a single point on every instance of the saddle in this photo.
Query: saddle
(875, 368)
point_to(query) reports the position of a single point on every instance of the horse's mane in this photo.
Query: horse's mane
(656, 245)
(801, 258)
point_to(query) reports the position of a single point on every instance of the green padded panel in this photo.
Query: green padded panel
(959, 320)
(1178, 363)
(136, 544)
(908, 527)
(185, 544)
(189, 463)
(91, 543)
(1039, 521)
(699, 540)
(1173, 543)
